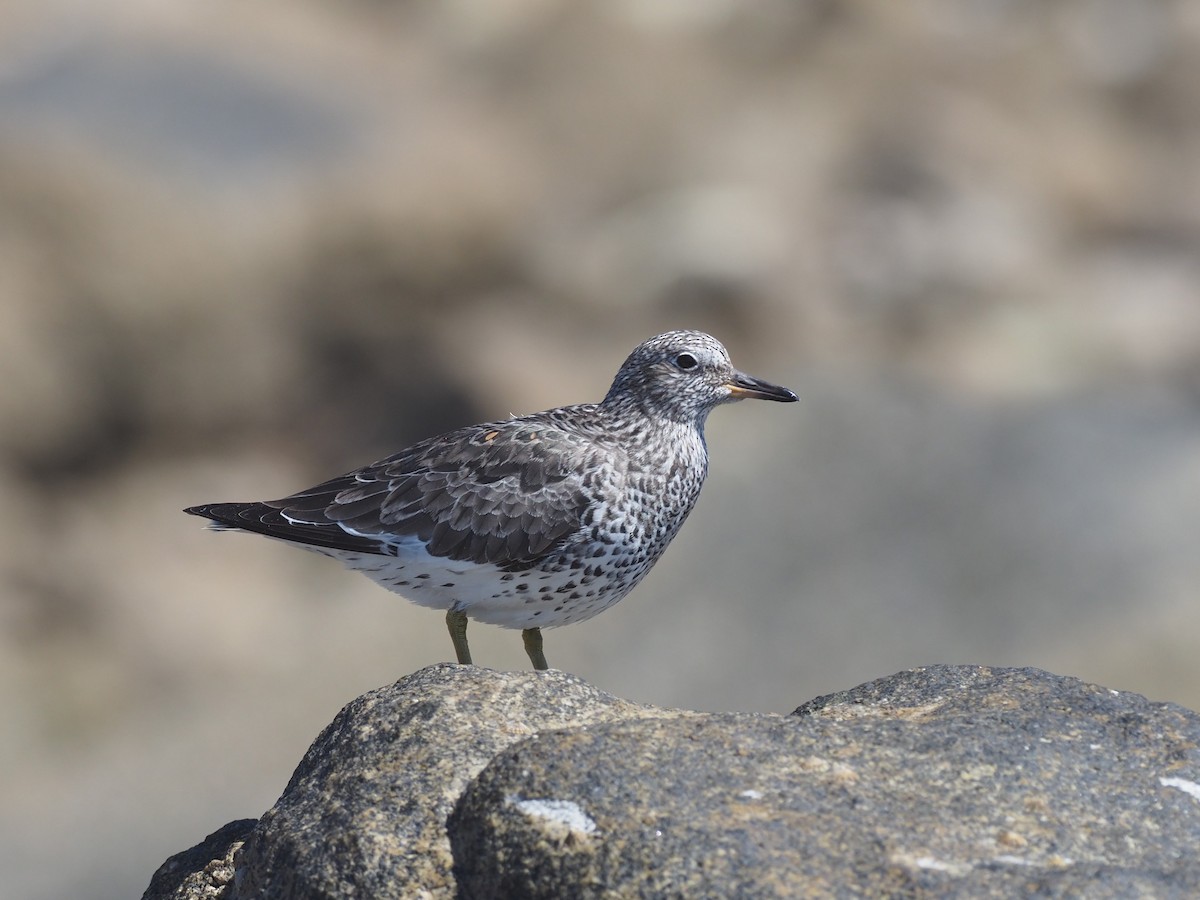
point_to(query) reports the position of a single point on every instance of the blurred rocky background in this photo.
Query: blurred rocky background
(244, 247)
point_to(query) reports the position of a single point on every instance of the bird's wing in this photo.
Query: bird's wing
(505, 493)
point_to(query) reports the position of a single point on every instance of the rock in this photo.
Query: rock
(203, 872)
(949, 781)
(637, 810)
(365, 812)
(942, 781)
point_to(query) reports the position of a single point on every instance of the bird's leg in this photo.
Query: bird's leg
(457, 623)
(533, 646)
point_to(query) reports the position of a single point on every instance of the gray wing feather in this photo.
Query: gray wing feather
(505, 493)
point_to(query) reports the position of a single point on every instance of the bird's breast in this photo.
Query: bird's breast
(654, 495)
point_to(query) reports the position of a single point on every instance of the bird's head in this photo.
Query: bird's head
(682, 375)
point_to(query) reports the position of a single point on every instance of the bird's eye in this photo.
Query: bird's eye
(686, 361)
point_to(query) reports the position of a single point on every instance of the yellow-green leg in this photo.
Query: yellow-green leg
(457, 623)
(533, 646)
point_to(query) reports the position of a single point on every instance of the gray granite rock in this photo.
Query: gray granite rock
(203, 872)
(947, 781)
(365, 812)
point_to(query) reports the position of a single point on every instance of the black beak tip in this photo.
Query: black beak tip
(743, 386)
(778, 393)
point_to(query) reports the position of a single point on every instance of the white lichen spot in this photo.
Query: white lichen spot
(931, 863)
(1188, 787)
(751, 794)
(558, 814)
(940, 865)
(1009, 860)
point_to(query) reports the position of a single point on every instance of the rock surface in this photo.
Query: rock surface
(941, 781)
(366, 809)
(203, 871)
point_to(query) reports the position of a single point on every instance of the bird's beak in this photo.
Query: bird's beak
(743, 386)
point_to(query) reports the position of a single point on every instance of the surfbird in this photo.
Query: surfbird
(533, 522)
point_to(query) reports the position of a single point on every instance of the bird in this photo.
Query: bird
(535, 521)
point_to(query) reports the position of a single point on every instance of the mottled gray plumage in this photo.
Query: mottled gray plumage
(540, 520)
